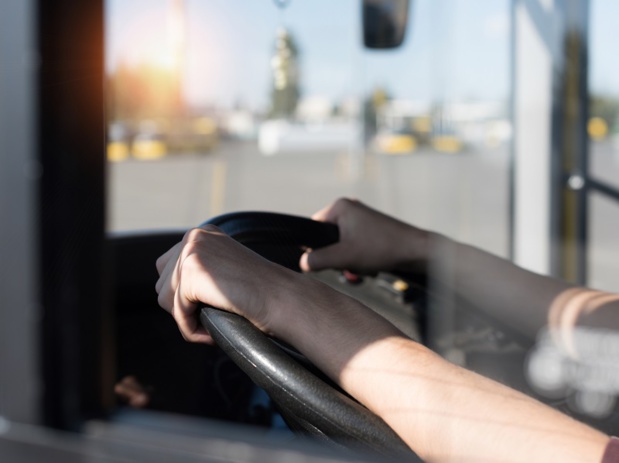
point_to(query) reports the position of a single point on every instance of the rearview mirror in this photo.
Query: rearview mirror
(384, 23)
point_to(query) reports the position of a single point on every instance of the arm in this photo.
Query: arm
(444, 412)
(371, 241)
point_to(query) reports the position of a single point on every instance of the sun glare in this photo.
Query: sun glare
(147, 80)
(157, 39)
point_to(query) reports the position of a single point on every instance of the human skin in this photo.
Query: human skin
(372, 241)
(444, 412)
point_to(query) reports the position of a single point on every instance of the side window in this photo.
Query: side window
(603, 128)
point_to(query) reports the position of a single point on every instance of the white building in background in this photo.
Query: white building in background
(395, 115)
(282, 136)
(241, 124)
(314, 110)
(319, 126)
(482, 122)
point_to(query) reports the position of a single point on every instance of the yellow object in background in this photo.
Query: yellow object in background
(397, 144)
(447, 144)
(205, 126)
(400, 285)
(597, 128)
(148, 149)
(117, 151)
(422, 124)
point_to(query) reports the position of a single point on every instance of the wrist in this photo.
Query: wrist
(298, 306)
(418, 249)
(328, 327)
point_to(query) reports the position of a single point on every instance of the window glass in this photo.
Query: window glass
(226, 105)
(604, 145)
(604, 93)
(603, 243)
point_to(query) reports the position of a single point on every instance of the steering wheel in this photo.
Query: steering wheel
(308, 401)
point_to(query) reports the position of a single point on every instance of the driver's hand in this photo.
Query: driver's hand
(370, 241)
(208, 267)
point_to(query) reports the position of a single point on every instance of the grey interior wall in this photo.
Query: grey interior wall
(19, 386)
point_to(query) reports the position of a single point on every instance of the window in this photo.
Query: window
(603, 130)
(221, 106)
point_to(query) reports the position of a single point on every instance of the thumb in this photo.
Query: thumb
(320, 259)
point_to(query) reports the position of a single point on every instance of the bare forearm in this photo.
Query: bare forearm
(495, 286)
(329, 328)
(523, 300)
(371, 241)
(445, 413)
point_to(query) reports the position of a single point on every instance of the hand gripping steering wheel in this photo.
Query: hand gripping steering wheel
(309, 402)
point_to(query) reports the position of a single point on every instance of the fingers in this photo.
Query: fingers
(168, 264)
(330, 256)
(165, 258)
(165, 264)
(304, 263)
(179, 268)
(321, 259)
(186, 317)
(332, 212)
(324, 214)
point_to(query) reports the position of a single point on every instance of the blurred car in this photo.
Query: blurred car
(447, 143)
(396, 143)
(148, 146)
(118, 142)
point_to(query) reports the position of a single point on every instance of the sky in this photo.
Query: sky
(603, 62)
(454, 49)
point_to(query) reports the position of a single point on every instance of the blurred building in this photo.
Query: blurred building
(403, 126)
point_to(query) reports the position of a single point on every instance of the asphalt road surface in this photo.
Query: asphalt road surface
(463, 195)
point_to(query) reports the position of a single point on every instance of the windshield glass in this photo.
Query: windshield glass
(493, 124)
(228, 105)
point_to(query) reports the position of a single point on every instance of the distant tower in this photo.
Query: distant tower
(284, 64)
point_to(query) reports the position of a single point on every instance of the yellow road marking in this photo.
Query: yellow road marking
(218, 187)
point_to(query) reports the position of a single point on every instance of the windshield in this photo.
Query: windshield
(482, 126)
(228, 105)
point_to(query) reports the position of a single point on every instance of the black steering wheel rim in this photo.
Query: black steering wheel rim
(307, 402)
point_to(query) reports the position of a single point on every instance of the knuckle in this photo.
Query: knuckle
(186, 236)
(210, 228)
(192, 260)
(344, 202)
(193, 235)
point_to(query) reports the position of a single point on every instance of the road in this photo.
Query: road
(464, 195)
